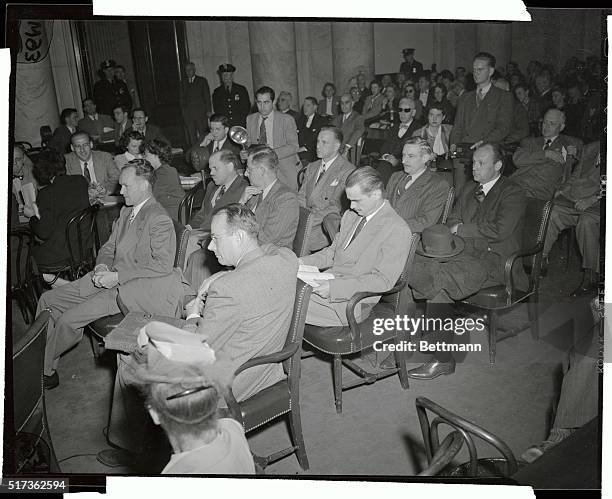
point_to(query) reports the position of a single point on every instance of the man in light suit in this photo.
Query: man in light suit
(322, 191)
(328, 105)
(418, 194)
(483, 115)
(349, 121)
(94, 123)
(95, 166)
(136, 263)
(230, 313)
(544, 162)
(194, 99)
(140, 123)
(279, 132)
(368, 254)
(274, 204)
(372, 105)
(226, 188)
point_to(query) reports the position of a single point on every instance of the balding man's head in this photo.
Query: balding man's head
(553, 123)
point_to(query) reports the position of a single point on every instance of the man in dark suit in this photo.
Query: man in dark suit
(108, 92)
(283, 104)
(308, 126)
(274, 204)
(227, 187)
(410, 67)
(231, 99)
(60, 142)
(123, 123)
(397, 136)
(216, 140)
(329, 104)
(544, 162)
(349, 121)
(418, 194)
(322, 190)
(94, 123)
(488, 217)
(140, 124)
(136, 263)
(483, 115)
(194, 99)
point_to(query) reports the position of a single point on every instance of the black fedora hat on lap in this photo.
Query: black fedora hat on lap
(438, 242)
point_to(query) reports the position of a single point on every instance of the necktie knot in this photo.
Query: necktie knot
(86, 173)
(132, 216)
(547, 144)
(479, 194)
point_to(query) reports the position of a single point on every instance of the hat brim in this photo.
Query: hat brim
(459, 247)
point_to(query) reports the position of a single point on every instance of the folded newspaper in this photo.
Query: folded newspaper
(310, 274)
(124, 337)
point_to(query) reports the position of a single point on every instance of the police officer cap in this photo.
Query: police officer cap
(226, 68)
(108, 63)
(408, 51)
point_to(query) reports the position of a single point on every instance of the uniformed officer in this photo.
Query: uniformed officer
(108, 93)
(231, 99)
(410, 67)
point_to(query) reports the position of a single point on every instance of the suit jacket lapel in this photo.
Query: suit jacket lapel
(491, 198)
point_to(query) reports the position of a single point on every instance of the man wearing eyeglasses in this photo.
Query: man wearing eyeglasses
(349, 121)
(398, 135)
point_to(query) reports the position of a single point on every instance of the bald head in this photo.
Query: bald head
(553, 123)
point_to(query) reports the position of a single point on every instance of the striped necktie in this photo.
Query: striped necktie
(263, 136)
(479, 194)
(86, 172)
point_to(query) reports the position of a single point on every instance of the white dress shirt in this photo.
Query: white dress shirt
(329, 105)
(489, 185)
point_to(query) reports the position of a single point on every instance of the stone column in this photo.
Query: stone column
(64, 67)
(273, 56)
(35, 97)
(495, 38)
(353, 51)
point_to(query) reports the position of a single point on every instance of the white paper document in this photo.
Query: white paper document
(310, 274)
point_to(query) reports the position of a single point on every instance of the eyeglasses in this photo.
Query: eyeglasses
(404, 109)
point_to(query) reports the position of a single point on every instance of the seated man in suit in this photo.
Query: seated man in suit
(483, 115)
(372, 105)
(577, 205)
(275, 206)
(279, 132)
(543, 162)
(368, 254)
(418, 194)
(121, 115)
(215, 140)
(227, 187)
(60, 141)
(308, 126)
(227, 314)
(322, 190)
(283, 104)
(140, 123)
(328, 105)
(488, 218)
(349, 121)
(94, 123)
(397, 136)
(136, 263)
(97, 167)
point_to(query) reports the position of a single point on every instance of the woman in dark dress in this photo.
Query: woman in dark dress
(167, 188)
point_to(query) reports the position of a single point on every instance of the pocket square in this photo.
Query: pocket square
(334, 183)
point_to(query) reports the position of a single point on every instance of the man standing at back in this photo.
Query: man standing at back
(483, 115)
(277, 131)
(194, 98)
(231, 99)
(322, 191)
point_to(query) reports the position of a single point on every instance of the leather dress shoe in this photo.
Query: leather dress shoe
(51, 382)
(431, 370)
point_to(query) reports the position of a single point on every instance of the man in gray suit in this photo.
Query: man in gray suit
(136, 262)
(368, 254)
(278, 131)
(94, 123)
(274, 204)
(95, 166)
(349, 121)
(322, 190)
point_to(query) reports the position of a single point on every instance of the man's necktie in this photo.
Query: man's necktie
(547, 144)
(86, 173)
(321, 173)
(357, 231)
(263, 137)
(479, 194)
(255, 202)
(132, 216)
(479, 97)
(407, 178)
(216, 148)
(220, 195)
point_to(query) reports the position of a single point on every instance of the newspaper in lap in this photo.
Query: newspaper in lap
(124, 337)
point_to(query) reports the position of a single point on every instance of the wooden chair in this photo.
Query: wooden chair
(23, 287)
(359, 148)
(501, 297)
(504, 466)
(30, 429)
(188, 203)
(340, 342)
(448, 205)
(283, 397)
(300, 242)
(448, 449)
(100, 328)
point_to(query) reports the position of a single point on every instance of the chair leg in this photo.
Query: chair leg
(534, 316)
(492, 335)
(338, 383)
(569, 242)
(295, 423)
(400, 362)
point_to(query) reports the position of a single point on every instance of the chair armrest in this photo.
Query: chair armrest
(357, 297)
(508, 279)
(124, 310)
(273, 358)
